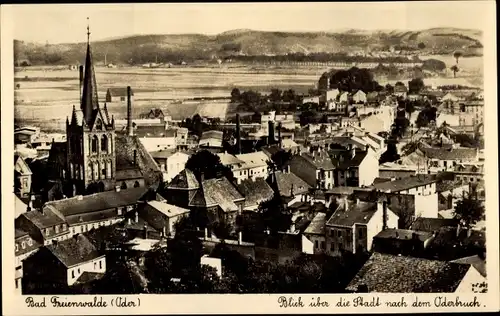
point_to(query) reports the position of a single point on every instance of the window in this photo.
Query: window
(72, 274)
(17, 247)
(103, 172)
(94, 144)
(316, 244)
(360, 234)
(332, 233)
(17, 283)
(72, 230)
(30, 242)
(119, 211)
(95, 265)
(332, 247)
(104, 143)
(471, 179)
(100, 264)
(47, 231)
(122, 98)
(57, 229)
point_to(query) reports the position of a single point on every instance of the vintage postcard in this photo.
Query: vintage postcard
(313, 157)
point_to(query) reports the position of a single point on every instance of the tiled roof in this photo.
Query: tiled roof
(228, 159)
(168, 210)
(405, 183)
(87, 277)
(218, 192)
(403, 234)
(96, 202)
(460, 153)
(255, 159)
(20, 233)
(317, 226)
(475, 261)
(184, 180)
(74, 251)
(433, 224)
(120, 92)
(319, 160)
(286, 180)
(348, 161)
(342, 190)
(45, 220)
(165, 153)
(211, 134)
(399, 274)
(357, 213)
(128, 174)
(255, 192)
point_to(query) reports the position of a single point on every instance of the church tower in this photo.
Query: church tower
(90, 135)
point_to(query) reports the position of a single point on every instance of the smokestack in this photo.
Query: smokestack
(384, 215)
(81, 81)
(238, 134)
(271, 133)
(130, 130)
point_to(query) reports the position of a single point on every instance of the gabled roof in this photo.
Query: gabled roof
(211, 134)
(21, 166)
(349, 161)
(255, 159)
(400, 88)
(119, 92)
(405, 183)
(45, 220)
(154, 131)
(319, 160)
(166, 209)
(184, 180)
(317, 226)
(74, 251)
(219, 192)
(433, 224)
(285, 181)
(386, 273)
(166, 153)
(89, 100)
(228, 159)
(255, 192)
(404, 234)
(96, 202)
(357, 213)
(461, 153)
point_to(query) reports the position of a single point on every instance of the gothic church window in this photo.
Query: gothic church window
(95, 142)
(99, 124)
(104, 143)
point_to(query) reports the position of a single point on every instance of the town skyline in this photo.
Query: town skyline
(45, 22)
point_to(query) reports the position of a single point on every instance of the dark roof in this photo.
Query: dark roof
(341, 190)
(380, 180)
(286, 180)
(317, 226)
(399, 274)
(163, 153)
(443, 186)
(184, 180)
(20, 233)
(119, 92)
(96, 202)
(74, 250)
(271, 149)
(129, 174)
(87, 277)
(433, 224)
(319, 160)
(45, 220)
(350, 162)
(357, 213)
(405, 183)
(255, 192)
(403, 234)
(219, 192)
(450, 153)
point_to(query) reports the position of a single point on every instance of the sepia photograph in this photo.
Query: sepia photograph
(251, 148)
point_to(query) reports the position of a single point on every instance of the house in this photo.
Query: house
(343, 98)
(25, 247)
(358, 97)
(162, 216)
(254, 166)
(433, 224)
(26, 134)
(43, 226)
(171, 162)
(290, 187)
(386, 273)
(255, 192)
(290, 146)
(352, 226)
(69, 262)
(154, 113)
(400, 91)
(314, 241)
(83, 213)
(182, 138)
(392, 170)
(22, 173)
(117, 94)
(449, 192)
(310, 99)
(402, 241)
(156, 137)
(422, 187)
(469, 172)
(445, 159)
(355, 168)
(315, 168)
(475, 279)
(211, 139)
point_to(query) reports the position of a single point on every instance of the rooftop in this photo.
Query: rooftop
(228, 159)
(45, 220)
(386, 273)
(286, 181)
(450, 153)
(74, 251)
(405, 183)
(219, 192)
(184, 180)
(433, 224)
(120, 92)
(403, 234)
(255, 192)
(317, 226)
(167, 209)
(357, 213)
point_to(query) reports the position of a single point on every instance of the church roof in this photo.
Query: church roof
(90, 101)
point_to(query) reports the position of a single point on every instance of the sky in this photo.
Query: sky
(67, 23)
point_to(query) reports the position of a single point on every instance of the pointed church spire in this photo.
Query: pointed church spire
(90, 102)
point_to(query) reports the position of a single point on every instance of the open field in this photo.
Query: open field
(46, 96)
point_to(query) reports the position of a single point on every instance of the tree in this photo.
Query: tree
(307, 117)
(455, 69)
(389, 88)
(208, 164)
(421, 45)
(457, 55)
(275, 95)
(469, 211)
(391, 154)
(415, 85)
(235, 95)
(433, 65)
(274, 216)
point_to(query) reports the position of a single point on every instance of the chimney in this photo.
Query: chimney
(238, 134)
(280, 143)
(81, 81)
(135, 157)
(271, 139)
(206, 233)
(130, 129)
(238, 180)
(137, 217)
(384, 215)
(240, 237)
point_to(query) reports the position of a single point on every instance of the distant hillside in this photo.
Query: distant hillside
(174, 48)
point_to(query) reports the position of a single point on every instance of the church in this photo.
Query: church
(95, 158)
